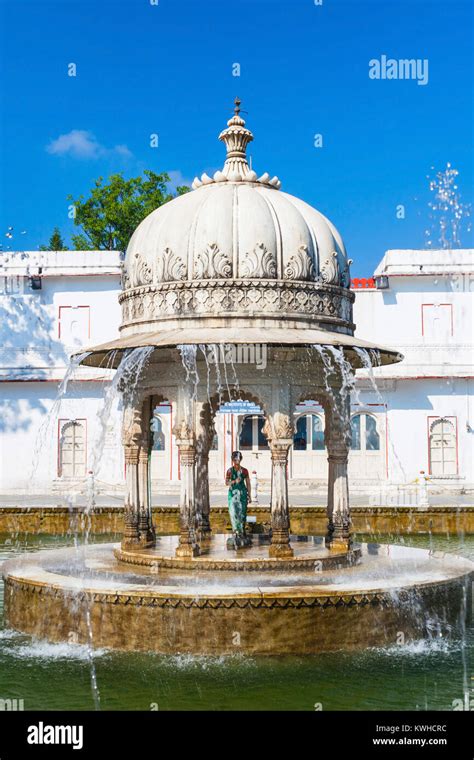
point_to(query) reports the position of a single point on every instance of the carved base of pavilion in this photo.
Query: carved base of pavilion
(304, 605)
(337, 545)
(308, 553)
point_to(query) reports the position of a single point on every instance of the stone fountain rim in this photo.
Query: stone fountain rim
(46, 581)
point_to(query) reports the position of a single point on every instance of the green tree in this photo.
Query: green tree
(115, 208)
(56, 243)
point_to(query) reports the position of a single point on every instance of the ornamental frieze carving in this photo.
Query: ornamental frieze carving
(171, 300)
(237, 296)
(220, 299)
(259, 263)
(302, 298)
(287, 299)
(147, 303)
(149, 600)
(271, 300)
(158, 304)
(175, 298)
(212, 263)
(300, 265)
(171, 267)
(254, 297)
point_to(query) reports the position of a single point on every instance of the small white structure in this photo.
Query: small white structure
(424, 301)
(51, 303)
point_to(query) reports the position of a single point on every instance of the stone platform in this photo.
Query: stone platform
(238, 606)
(309, 554)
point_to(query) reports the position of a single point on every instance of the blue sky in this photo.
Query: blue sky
(167, 69)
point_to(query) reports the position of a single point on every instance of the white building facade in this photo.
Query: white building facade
(415, 416)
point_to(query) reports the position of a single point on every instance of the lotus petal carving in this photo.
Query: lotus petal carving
(144, 273)
(330, 270)
(259, 263)
(212, 263)
(300, 266)
(171, 267)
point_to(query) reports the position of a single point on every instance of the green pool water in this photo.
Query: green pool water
(434, 675)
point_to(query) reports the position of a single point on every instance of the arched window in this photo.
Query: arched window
(443, 448)
(309, 433)
(251, 436)
(156, 427)
(317, 432)
(372, 438)
(72, 448)
(300, 439)
(355, 432)
(364, 433)
(246, 434)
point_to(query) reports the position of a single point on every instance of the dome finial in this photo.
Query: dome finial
(236, 169)
(236, 138)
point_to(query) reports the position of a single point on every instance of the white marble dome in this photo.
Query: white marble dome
(233, 254)
(235, 261)
(236, 225)
(236, 229)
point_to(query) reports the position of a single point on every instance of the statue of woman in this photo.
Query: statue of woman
(238, 480)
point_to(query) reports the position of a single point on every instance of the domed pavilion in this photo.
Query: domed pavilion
(236, 262)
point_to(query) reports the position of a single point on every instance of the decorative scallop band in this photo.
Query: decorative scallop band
(239, 297)
(154, 600)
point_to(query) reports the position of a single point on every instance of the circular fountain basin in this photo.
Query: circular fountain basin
(226, 602)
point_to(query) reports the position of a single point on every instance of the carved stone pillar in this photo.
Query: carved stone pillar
(138, 529)
(279, 432)
(337, 438)
(203, 445)
(145, 524)
(131, 534)
(203, 505)
(186, 442)
(145, 521)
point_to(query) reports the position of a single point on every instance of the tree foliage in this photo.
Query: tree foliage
(115, 208)
(56, 243)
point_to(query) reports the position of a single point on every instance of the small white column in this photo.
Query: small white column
(131, 535)
(254, 487)
(145, 522)
(145, 527)
(185, 440)
(337, 439)
(203, 444)
(279, 433)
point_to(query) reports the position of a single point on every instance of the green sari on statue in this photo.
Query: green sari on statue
(237, 499)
